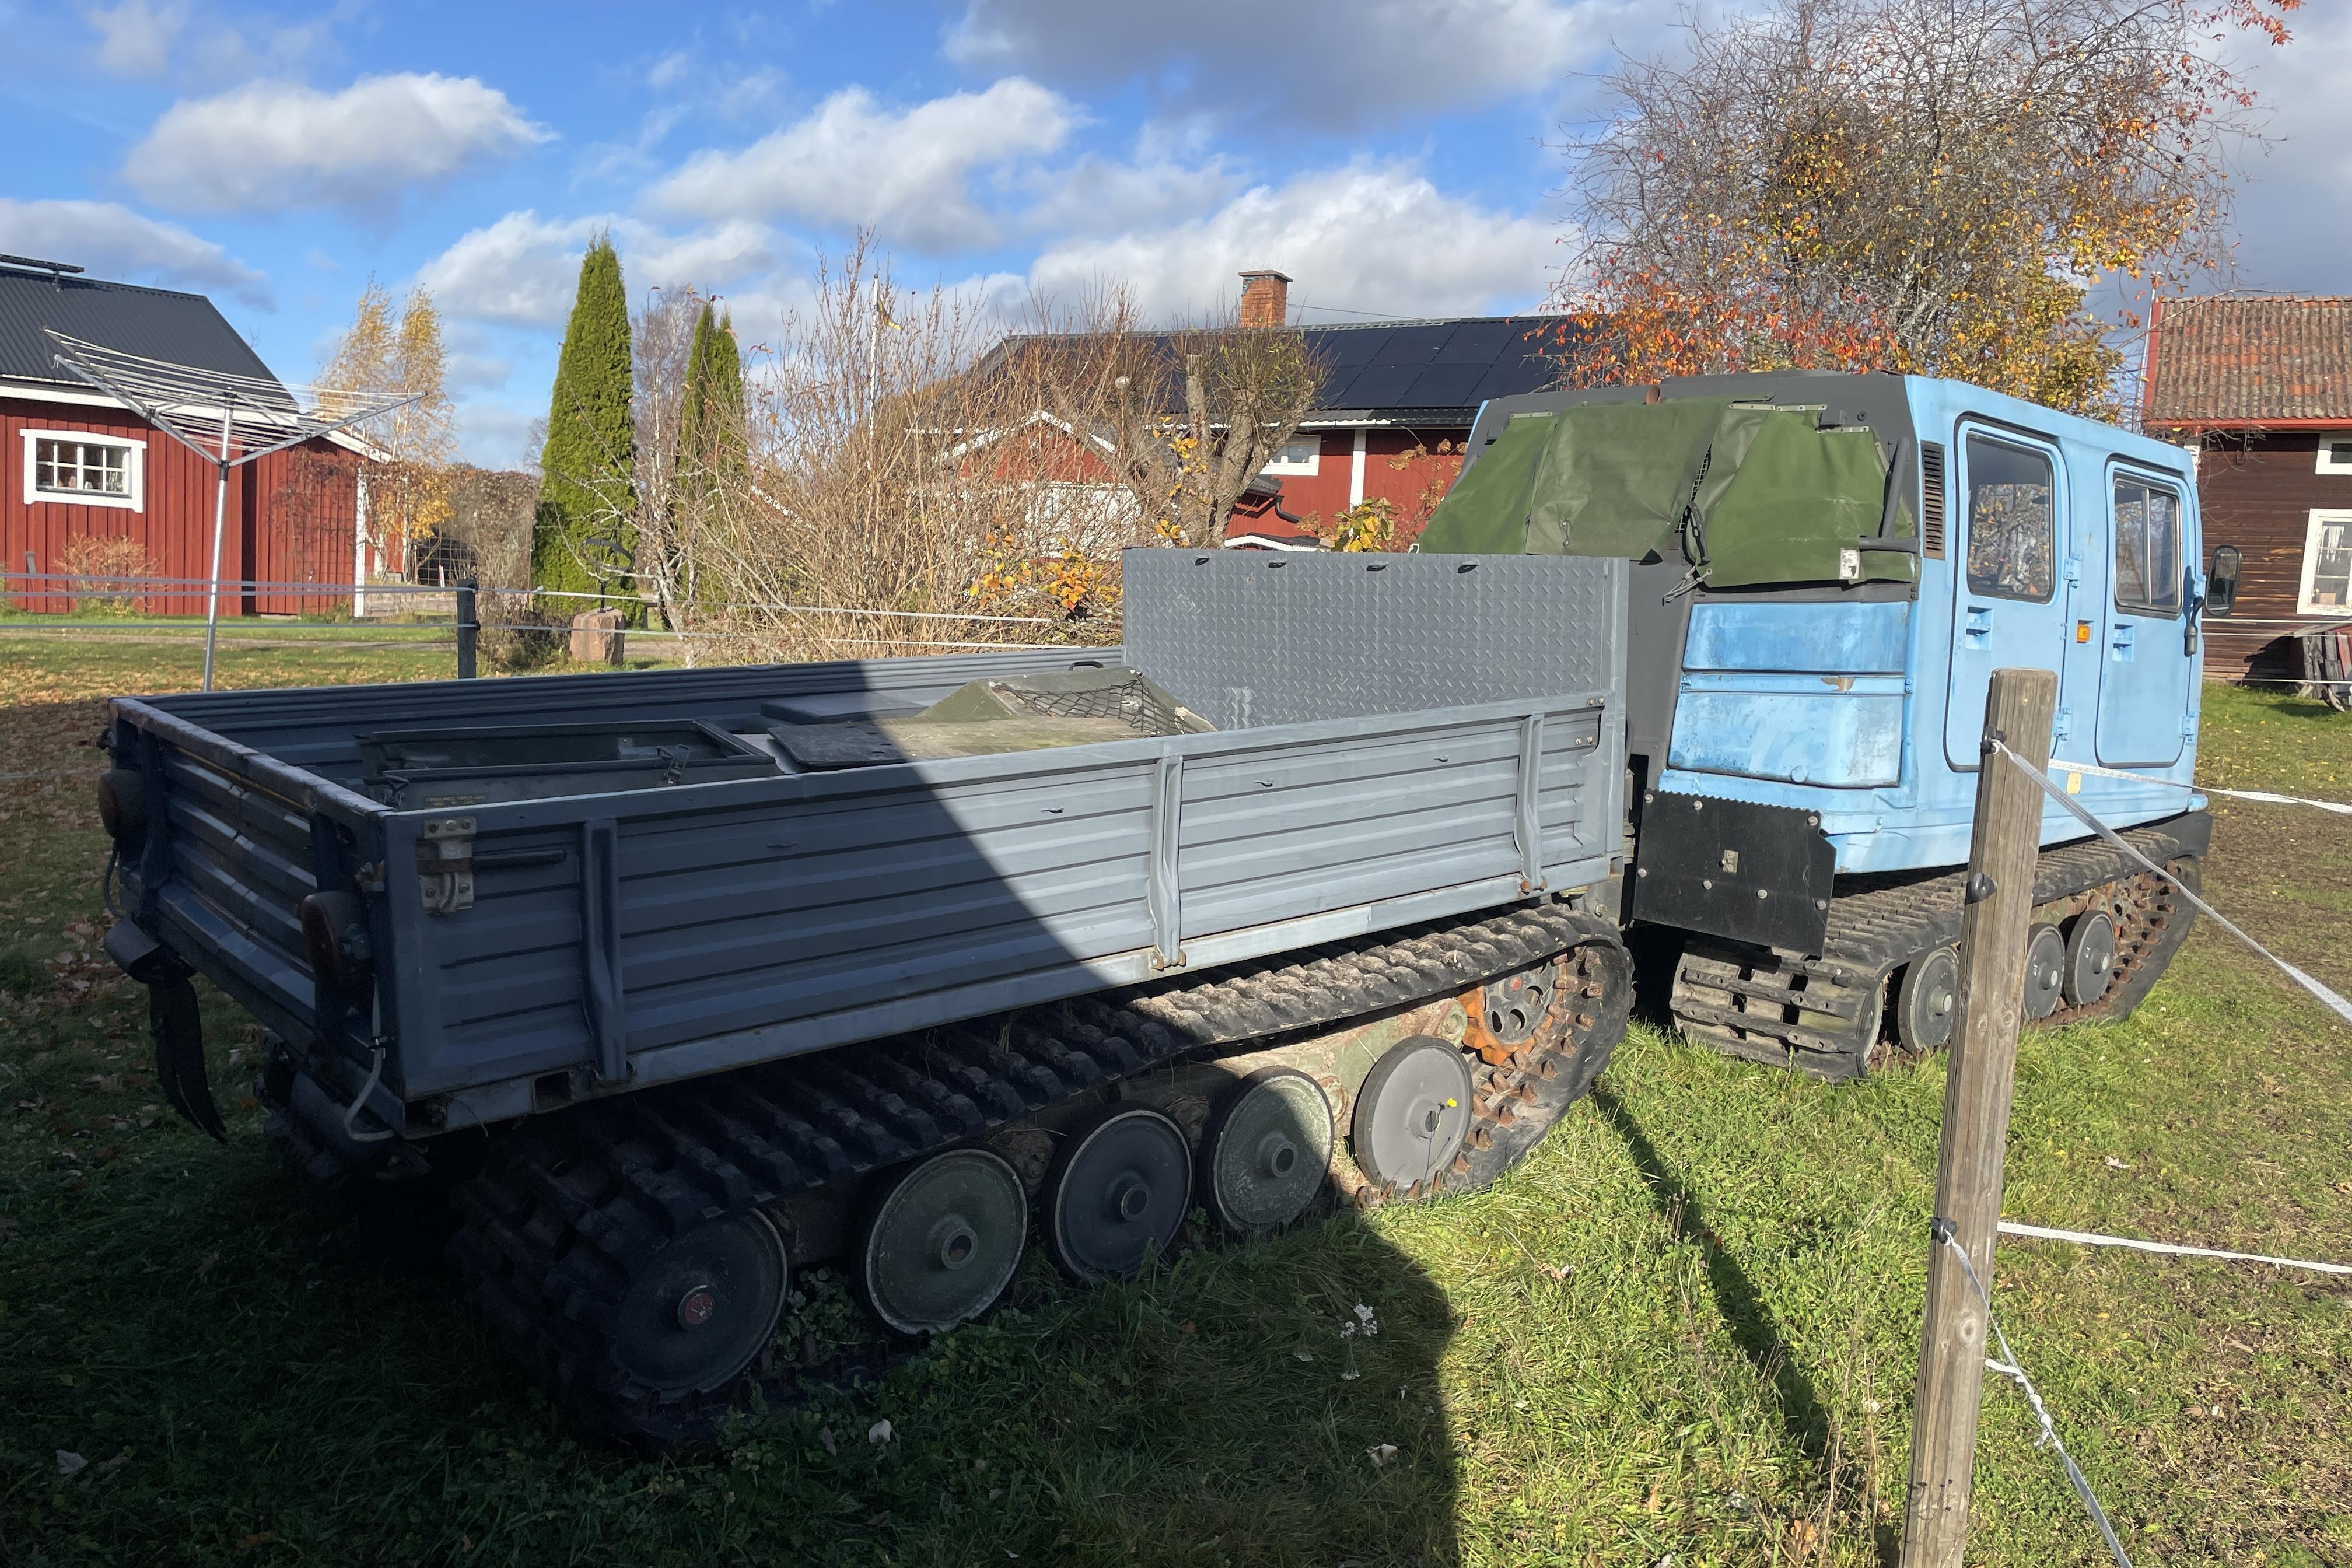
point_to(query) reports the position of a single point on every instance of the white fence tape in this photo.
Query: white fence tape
(2335, 1003)
(2170, 1249)
(2010, 1367)
(2339, 807)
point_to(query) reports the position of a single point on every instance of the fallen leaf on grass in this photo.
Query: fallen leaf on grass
(1803, 1536)
(71, 1464)
(824, 1436)
(1381, 1453)
(2116, 1164)
(207, 1266)
(878, 1434)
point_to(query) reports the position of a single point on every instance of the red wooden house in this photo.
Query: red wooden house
(2263, 389)
(1397, 401)
(77, 464)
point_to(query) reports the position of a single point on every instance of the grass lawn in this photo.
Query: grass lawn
(1686, 1331)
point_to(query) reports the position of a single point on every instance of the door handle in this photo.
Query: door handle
(2122, 641)
(1977, 626)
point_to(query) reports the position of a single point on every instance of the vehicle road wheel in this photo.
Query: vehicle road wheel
(704, 1307)
(1515, 1006)
(1924, 1000)
(2045, 971)
(2090, 958)
(1118, 1191)
(1266, 1150)
(943, 1239)
(1411, 1113)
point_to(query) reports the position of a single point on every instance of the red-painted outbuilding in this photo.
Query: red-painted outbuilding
(1397, 401)
(79, 470)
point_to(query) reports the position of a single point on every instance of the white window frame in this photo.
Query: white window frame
(1310, 465)
(135, 500)
(2328, 441)
(2321, 517)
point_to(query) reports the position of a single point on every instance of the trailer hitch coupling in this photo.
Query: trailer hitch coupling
(174, 1021)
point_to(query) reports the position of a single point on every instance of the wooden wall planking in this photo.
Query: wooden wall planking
(291, 515)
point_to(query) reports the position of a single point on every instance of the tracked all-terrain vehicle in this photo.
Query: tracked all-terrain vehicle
(690, 980)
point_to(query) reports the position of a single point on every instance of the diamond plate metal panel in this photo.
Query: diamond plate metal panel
(1251, 637)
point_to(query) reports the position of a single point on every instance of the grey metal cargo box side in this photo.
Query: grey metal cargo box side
(662, 933)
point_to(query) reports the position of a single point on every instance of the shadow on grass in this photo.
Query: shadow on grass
(1735, 1297)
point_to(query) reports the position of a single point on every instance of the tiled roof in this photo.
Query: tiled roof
(159, 323)
(2248, 360)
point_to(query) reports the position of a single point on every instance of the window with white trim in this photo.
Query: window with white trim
(2326, 587)
(2335, 455)
(1299, 455)
(84, 469)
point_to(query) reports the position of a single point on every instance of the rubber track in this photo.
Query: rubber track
(561, 1216)
(1738, 1000)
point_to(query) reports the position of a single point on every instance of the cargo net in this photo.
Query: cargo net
(1135, 702)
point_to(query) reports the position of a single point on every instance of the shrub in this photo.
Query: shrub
(111, 571)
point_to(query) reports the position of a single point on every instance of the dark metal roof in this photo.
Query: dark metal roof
(1435, 370)
(160, 324)
(1386, 368)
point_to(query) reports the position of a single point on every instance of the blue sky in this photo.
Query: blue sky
(1390, 155)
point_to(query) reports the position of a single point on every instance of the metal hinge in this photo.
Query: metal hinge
(444, 865)
(2063, 725)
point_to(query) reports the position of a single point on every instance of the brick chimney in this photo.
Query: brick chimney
(1265, 298)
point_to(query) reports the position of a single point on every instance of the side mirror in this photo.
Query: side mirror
(2222, 582)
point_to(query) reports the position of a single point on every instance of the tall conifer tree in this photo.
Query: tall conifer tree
(587, 499)
(711, 446)
(710, 425)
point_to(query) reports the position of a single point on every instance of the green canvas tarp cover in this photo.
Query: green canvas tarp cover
(1746, 492)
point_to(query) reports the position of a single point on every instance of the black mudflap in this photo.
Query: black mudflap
(1822, 1014)
(179, 1032)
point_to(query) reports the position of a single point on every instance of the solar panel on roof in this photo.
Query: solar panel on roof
(1444, 387)
(1378, 386)
(1513, 377)
(1414, 346)
(1479, 342)
(1356, 345)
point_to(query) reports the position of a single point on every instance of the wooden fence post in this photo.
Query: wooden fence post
(1981, 1075)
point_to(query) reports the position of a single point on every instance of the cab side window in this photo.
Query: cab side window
(2011, 540)
(2148, 548)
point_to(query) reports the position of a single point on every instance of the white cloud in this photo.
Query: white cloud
(136, 38)
(193, 39)
(1378, 238)
(493, 435)
(1325, 62)
(524, 268)
(852, 162)
(1097, 196)
(272, 144)
(112, 241)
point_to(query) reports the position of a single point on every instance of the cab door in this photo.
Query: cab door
(2146, 670)
(2007, 608)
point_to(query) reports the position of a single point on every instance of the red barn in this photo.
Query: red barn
(78, 468)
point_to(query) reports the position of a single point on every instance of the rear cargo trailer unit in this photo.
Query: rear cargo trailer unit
(698, 978)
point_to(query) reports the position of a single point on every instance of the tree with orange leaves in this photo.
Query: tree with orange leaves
(1927, 187)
